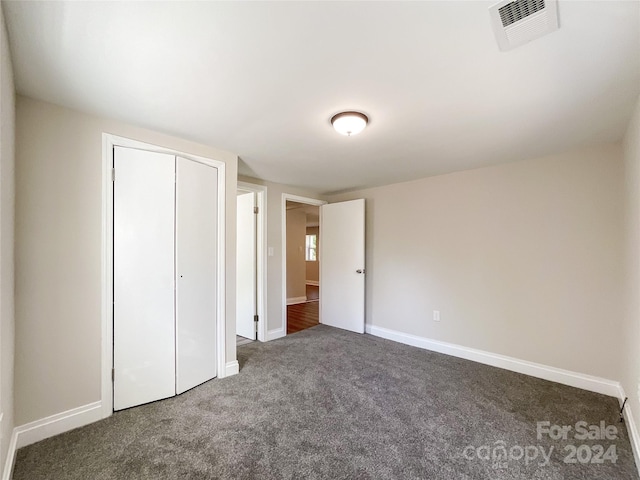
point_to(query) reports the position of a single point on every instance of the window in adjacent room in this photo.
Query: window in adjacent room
(311, 248)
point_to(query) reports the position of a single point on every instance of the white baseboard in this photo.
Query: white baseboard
(48, 427)
(275, 334)
(56, 424)
(7, 473)
(558, 375)
(232, 368)
(634, 435)
(295, 300)
(313, 283)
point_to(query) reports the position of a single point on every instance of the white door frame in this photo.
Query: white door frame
(308, 201)
(261, 254)
(108, 142)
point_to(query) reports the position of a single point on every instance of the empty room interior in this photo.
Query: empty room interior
(323, 240)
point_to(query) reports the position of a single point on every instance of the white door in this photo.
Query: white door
(342, 269)
(196, 303)
(246, 267)
(143, 272)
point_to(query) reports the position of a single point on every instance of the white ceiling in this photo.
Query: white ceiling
(263, 79)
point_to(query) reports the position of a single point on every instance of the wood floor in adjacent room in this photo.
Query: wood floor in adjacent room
(304, 315)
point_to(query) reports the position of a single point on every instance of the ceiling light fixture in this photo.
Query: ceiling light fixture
(349, 123)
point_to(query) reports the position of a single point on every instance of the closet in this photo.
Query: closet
(164, 275)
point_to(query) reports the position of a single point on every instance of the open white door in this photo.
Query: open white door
(342, 265)
(246, 267)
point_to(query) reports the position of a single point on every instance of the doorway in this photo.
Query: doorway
(302, 265)
(341, 260)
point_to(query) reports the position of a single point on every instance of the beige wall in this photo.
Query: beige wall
(296, 267)
(7, 198)
(58, 245)
(630, 334)
(313, 273)
(275, 312)
(522, 259)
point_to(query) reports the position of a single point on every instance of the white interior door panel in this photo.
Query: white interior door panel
(143, 323)
(196, 268)
(246, 266)
(342, 269)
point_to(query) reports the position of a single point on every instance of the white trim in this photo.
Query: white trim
(232, 368)
(47, 427)
(634, 436)
(221, 291)
(261, 251)
(56, 424)
(108, 142)
(275, 334)
(313, 283)
(283, 233)
(296, 300)
(565, 377)
(7, 473)
(107, 277)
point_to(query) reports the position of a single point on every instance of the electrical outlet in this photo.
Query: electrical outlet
(436, 315)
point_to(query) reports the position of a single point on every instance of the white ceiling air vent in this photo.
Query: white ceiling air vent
(518, 22)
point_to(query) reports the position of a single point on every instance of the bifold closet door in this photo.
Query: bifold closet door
(143, 272)
(196, 267)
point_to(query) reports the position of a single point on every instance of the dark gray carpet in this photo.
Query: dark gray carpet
(328, 404)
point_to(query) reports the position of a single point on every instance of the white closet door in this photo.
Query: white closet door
(196, 234)
(246, 267)
(143, 270)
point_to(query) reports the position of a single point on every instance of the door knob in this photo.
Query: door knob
(360, 270)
